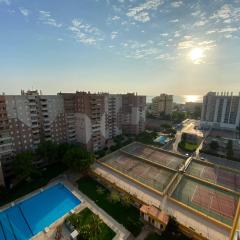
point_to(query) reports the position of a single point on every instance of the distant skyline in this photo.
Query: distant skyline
(147, 46)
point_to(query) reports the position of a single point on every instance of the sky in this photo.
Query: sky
(182, 47)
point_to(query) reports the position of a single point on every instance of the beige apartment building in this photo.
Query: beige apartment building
(162, 105)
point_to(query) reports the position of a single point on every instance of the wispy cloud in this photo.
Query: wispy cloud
(25, 12)
(114, 35)
(46, 18)
(177, 4)
(5, 2)
(224, 12)
(174, 21)
(85, 33)
(140, 13)
(200, 23)
(115, 18)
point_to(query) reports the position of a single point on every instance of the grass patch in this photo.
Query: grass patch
(90, 226)
(26, 187)
(188, 146)
(128, 216)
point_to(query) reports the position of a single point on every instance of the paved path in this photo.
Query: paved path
(146, 230)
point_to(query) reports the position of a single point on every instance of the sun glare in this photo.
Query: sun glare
(197, 55)
(191, 98)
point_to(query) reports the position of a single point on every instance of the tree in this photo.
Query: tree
(47, 150)
(214, 145)
(229, 149)
(126, 200)
(178, 117)
(96, 226)
(23, 165)
(100, 190)
(114, 197)
(78, 159)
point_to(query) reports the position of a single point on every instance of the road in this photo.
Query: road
(187, 127)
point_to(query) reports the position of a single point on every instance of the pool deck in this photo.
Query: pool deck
(121, 232)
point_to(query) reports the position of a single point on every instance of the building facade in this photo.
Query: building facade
(25, 121)
(85, 118)
(162, 105)
(221, 111)
(93, 118)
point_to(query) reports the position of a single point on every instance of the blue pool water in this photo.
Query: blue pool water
(31, 216)
(161, 139)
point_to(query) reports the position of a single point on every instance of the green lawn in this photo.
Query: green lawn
(85, 220)
(188, 146)
(127, 216)
(25, 187)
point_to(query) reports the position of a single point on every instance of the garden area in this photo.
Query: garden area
(40, 179)
(116, 143)
(118, 207)
(90, 226)
(189, 147)
(29, 176)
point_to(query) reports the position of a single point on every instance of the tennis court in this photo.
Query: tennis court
(218, 175)
(155, 177)
(166, 159)
(207, 199)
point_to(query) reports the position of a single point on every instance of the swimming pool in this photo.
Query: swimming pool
(162, 139)
(31, 216)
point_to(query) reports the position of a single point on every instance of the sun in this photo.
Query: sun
(191, 98)
(197, 55)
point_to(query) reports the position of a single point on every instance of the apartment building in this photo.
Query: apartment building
(84, 118)
(93, 118)
(25, 121)
(133, 113)
(162, 105)
(221, 110)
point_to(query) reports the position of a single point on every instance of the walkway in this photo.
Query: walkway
(146, 230)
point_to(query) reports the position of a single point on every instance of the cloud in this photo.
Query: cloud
(46, 18)
(142, 17)
(200, 23)
(115, 18)
(5, 2)
(176, 34)
(140, 12)
(205, 45)
(25, 12)
(185, 44)
(114, 35)
(177, 4)
(85, 33)
(223, 13)
(227, 29)
(174, 21)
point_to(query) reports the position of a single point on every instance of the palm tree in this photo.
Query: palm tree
(96, 226)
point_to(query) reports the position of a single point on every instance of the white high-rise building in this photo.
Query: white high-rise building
(221, 111)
